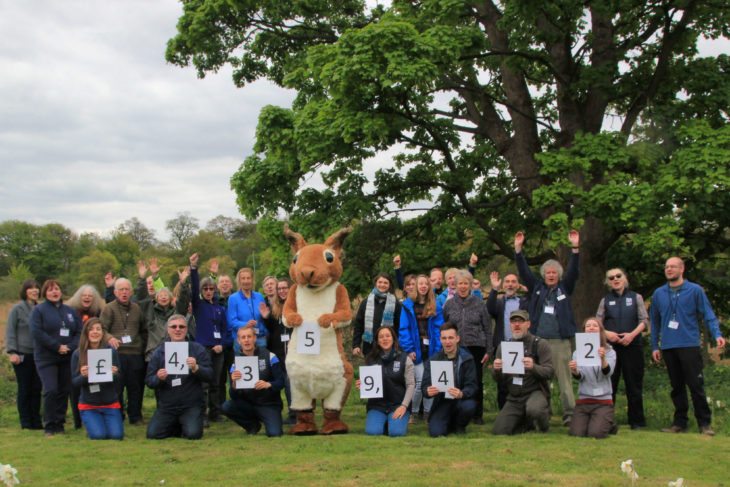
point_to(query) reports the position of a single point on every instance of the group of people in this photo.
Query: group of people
(431, 347)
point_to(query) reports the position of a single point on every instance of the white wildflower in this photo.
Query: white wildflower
(9, 475)
(720, 404)
(627, 466)
(676, 483)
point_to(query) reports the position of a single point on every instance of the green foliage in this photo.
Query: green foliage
(92, 268)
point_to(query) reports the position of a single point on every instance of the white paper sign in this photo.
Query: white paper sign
(513, 354)
(176, 356)
(586, 349)
(308, 338)
(249, 368)
(442, 376)
(100, 365)
(371, 382)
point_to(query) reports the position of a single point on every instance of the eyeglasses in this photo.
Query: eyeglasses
(177, 327)
(282, 288)
(208, 288)
(615, 276)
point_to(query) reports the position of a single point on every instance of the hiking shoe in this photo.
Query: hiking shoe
(674, 429)
(707, 430)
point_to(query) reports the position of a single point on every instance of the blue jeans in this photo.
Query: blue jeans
(249, 416)
(378, 423)
(186, 422)
(103, 423)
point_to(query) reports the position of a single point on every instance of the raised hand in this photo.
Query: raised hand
(574, 238)
(473, 260)
(213, 266)
(396, 262)
(154, 266)
(494, 280)
(109, 279)
(194, 260)
(141, 269)
(183, 273)
(519, 241)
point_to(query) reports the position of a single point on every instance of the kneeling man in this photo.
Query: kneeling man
(262, 404)
(528, 395)
(180, 398)
(451, 415)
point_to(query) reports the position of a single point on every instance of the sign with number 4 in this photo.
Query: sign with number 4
(371, 382)
(176, 358)
(308, 338)
(249, 368)
(586, 349)
(513, 355)
(442, 376)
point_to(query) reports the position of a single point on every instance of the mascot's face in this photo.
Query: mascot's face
(316, 266)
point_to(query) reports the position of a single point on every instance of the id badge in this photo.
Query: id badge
(597, 392)
(176, 382)
(94, 388)
(426, 341)
(517, 381)
(550, 309)
(673, 324)
(65, 332)
(217, 335)
(285, 338)
(561, 297)
(126, 339)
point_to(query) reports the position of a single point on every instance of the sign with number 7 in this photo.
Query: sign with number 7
(513, 355)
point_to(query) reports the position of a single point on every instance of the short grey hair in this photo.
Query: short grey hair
(176, 317)
(121, 281)
(461, 275)
(552, 264)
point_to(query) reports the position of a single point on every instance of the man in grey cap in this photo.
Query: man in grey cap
(528, 394)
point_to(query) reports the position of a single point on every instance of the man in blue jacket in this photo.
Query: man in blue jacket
(675, 337)
(551, 312)
(451, 414)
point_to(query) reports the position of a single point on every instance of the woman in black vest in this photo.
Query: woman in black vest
(624, 317)
(389, 414)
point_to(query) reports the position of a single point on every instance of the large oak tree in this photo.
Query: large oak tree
(530, 114)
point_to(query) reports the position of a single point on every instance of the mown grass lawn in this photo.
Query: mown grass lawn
(225, 456)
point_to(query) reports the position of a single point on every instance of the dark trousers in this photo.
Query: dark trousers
(56, 379)
(75, 395)
(478, 353)
(29, 393)
(684, 366)
(211, 390)
(630, 365)
(450, 416)
(502, 391)
(133, 372)
(249, 416)
(169, 422)
(228, 359)
(592, 420)
(520, 414)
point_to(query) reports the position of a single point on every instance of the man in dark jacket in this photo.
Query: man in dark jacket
(551, 311)
(181, 401)
(527, 406)
(262, 404)
(451, 414)
(500, 307)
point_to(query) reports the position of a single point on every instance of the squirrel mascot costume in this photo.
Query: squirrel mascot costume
(318, 297)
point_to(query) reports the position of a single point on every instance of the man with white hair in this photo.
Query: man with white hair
(125, 322)
(551, 311)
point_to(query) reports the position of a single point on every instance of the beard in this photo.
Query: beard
(518, 335)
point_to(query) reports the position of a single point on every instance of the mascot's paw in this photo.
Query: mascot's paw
(333, 425)
(326, 320)
(294, 319)
(305, 425)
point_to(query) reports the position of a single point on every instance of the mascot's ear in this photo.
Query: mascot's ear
(295, 239)
(335, 240)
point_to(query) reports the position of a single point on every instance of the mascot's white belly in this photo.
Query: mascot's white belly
(316, 375)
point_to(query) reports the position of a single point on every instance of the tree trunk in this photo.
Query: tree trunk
(590, 288)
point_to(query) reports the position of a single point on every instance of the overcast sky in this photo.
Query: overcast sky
(96, 128)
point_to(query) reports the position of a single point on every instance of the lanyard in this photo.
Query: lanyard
(674, 301)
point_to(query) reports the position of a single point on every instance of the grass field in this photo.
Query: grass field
(225, 456)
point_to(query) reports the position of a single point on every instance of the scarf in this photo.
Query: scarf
(388, 313)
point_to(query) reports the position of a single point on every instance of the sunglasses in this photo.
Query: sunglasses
(177, 327)
(615, 276)
(208, 288)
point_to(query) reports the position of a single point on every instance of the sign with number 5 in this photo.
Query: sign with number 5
(586, 349)
(308, 338)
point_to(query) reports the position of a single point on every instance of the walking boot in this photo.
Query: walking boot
(332, 424)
